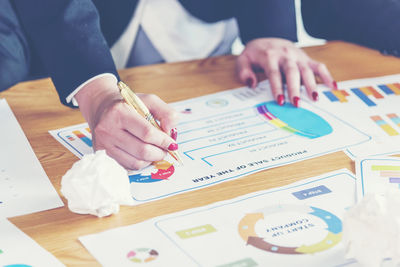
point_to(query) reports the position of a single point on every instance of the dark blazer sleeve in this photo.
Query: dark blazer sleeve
(67, 37)
(256, 18)
(373, 23)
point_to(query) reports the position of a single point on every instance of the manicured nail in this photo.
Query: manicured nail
(174, 134)
(335, 85)
(173, 147)
(249, 82)
(281, 100)
(296, 100)
(314, 96)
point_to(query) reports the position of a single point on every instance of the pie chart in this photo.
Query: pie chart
(294, 120)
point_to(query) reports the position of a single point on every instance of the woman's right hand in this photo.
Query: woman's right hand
(117, 128)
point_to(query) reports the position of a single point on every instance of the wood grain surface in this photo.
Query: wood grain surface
(37, 108)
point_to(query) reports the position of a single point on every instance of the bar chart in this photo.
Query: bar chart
(367, 94)
(389, 172)
(384, 125)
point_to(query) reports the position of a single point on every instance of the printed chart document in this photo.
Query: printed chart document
(19, 250)
(376, 174)
(295, 225)
(373, 107)
(24, 186)
(231, 134)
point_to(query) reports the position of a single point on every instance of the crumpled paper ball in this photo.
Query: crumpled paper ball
(371, 230)
(96, 185)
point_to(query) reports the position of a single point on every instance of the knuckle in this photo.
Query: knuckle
(147, 133)
(151, 97)
(321, 67)
(172, 115)
(270, 53)
(145, 152)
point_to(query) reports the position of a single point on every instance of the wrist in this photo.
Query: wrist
(94, 95)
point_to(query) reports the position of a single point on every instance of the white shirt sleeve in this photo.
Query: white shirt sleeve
(71, 97)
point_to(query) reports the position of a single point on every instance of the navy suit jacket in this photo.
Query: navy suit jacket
(72, 38)
(372, 23)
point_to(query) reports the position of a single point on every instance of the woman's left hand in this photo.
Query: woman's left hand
(281, 60)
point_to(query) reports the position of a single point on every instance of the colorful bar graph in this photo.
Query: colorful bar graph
(83, 137)
(337, 95)
(369, 90)
(331, 96)
(390, 89)
(395, 119)
(340, 95)
(388, 172)
(363, 97)
(384, 125)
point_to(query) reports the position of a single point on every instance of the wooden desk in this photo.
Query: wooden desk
(38, 110)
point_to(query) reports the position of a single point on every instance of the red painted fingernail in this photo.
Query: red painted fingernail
(281, 100)
(314, 96)
(296, 100)
(173, 147)
(335, 85)
(174, 134)
(249, 82)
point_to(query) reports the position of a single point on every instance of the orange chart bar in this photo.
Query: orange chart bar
(369, 90)
(384, 125)
(340, 95)
(395, 87)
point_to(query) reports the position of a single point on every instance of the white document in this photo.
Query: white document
(24, 186)
(19, 250)
(229, 135)
(372, 106)
(376, 174)
(296, 225)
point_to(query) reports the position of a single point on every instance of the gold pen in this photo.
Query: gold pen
(134, 101)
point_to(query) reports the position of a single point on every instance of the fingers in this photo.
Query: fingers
(272, 70)
(245, 71)
(139, 127)
(129, 138)
(128, 161)
(322, 71)
(137, 148)
(161, 111)
(292, 74)
(308, 79)
(274, 55)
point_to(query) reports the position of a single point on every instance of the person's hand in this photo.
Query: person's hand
(281, 60)
(124, 134)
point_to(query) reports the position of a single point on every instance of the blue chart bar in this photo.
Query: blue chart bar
(363, 97)
(386, 89)
(331, 96)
